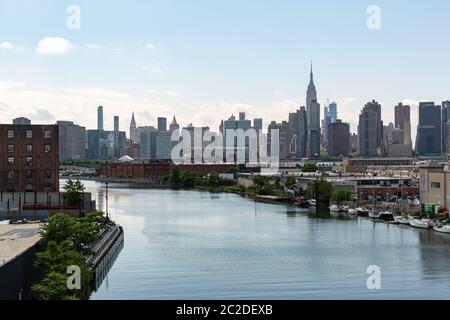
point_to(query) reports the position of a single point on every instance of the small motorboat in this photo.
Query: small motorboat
(443, 229)
(373, 214)
(362, 211)
(344, 208)
(312, 202)
(334, 208)
(353, 212)
(386, 215)
(402, 220)
(421, 223)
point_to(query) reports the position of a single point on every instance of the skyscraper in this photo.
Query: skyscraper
(329, 117)
(162, 124)
(100, 118)
(71, 141)
(116, 137)
(403, 122)
(134, 131)
(338, 139)
(445, 118)
(174, 125)
(429, 129)
(313, 118)
(302, 132)
(370, 130)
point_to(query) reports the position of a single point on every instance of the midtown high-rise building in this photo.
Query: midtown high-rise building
(162, 124)
(428, 141)
(370, 131)
(338, 139)
(302, 132)
(100, 118)
(329, 117)
(282, 135)
(403, 122)
(174, 125)
(291, 138)
(148, 142)
(134, 131)
(71, 141)
(445, 120)
(229, 136)
(313, 114)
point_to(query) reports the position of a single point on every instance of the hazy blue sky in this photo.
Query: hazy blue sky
(203, 60)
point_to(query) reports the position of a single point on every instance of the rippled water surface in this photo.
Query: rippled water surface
(199, 245)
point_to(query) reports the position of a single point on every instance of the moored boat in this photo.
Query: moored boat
(334, 208)
(344, 208)
(402, 220)
(362, 211)
(374, 214)
(421, 223)
(312, 202)
(386, 215)
(353, 212)
(443, 229)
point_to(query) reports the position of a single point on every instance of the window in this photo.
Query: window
(29, 148)
(10, 160)
(48, 173)
(11, 175)
(10, 148)
(10, 134)
(47, 134)
(29, 161)
(29, 174)
(47, 148)
(29, 134)
(436, 185)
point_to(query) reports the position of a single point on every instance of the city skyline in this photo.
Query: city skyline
(163, 71)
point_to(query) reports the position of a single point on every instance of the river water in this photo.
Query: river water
(199, 245)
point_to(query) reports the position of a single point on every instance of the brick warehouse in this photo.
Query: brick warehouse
(155, 169)
(29, 158)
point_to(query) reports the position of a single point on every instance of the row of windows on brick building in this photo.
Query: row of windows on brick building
(29, 148)
(29, 134)
(29, 174)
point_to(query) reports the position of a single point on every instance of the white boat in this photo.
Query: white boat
(334, 208)
(443, 229)
(402, 220)
(362, 211)
(344, 208)
(374, 214)
(353, 212)
(421, 223)
(312, 202)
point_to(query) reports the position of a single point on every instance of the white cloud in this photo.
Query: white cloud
(168, 93)
(152, 69)
(11, 85)
(93, 46)
(55, 45)
(150, 46)
(6, 46)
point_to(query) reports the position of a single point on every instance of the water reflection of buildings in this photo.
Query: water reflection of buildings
(434, 260)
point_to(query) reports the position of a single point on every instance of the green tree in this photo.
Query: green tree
(214, 179)
(73, 189)
(321, 190)
(309, 167)
(188, 179)
(341, 195)
(175, 176)
(53, 262)
(290, 182)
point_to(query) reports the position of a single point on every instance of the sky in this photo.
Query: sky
(205, 60)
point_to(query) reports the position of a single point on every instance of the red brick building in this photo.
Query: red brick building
(136, 169)
(29, 158)
(155, 169)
